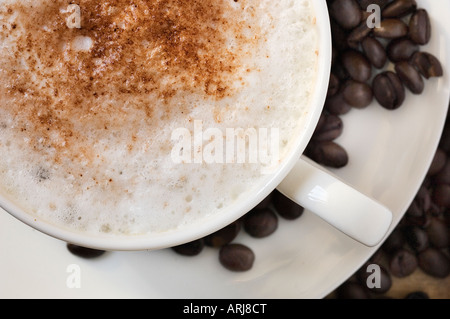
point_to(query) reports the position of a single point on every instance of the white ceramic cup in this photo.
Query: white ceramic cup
(308, 184)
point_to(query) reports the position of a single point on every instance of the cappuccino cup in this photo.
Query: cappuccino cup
(146, 125)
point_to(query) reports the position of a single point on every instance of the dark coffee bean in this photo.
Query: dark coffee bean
(265, 202)
(395, 241)
(417, 295)
(357, 65)
(329, 154)
(357, 94)
(352, 290)
(444, 175)
(337, 105)
(410, 77)
(427, 64)
(385, 279)
(434, 262)
(84, 252)
(378, 256)
(374, 52)
(358, 34)
(401, 49)
(285, 207)
(417, 238)
(339, 70)
(365, 3)
(260, 223)
(421, 203)
(333, 85)
(438, 233)
(192, 248)
(441, 195)
(399, 8)
(334, 55)
(420, 27)
(420, 221)
(339, 36)
(330, 129)
(403, 263)
(388, 90)
(321, 121)
(223, 236)
(438, 163)
(391, 29)
(347, 13)
(444, 144)
(236, 257)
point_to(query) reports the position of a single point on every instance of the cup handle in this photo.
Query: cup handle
(319, 191)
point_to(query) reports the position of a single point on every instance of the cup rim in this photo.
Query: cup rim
(211, 224)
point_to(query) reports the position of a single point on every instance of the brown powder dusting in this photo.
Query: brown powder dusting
(144, 53)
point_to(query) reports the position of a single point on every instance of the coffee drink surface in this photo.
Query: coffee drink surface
(87, 113)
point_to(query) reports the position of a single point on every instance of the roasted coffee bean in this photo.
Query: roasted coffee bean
(377, 257)
(420, 221)
(260, 223)
(395, 241)
(339, 70)
(347, 13)
(352, 290)
(441, 195)
(358, 34)
(401, 49)
(410, 77)
(334, 55)
(357, 65)
(265, 202)
(357, 94)
(192, 248)
(417, 295)
(84, 252)
(399, 8)
(420, 27)
(391, 29)
(286, 208)
(374, 52)
(403, 263)
(417, 238)
(434, 262)
(337, 105)
(333, 85)
(444, 175)
(427, 64)
(385, 279)
(329, 154)
(236, 257)
(223, 236)
(330, 128)
(444, 144)
(338, 36)
(321, 122)
(388, 90)
(421, 203)
(438, 163)
(438, 233)
(365, 3)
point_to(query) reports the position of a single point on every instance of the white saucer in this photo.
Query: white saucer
(390, 152)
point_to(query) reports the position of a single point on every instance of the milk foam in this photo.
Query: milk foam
(115, 174)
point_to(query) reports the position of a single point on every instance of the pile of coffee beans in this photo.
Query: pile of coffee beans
(368, 63)
(371, 62)
(422, 238)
